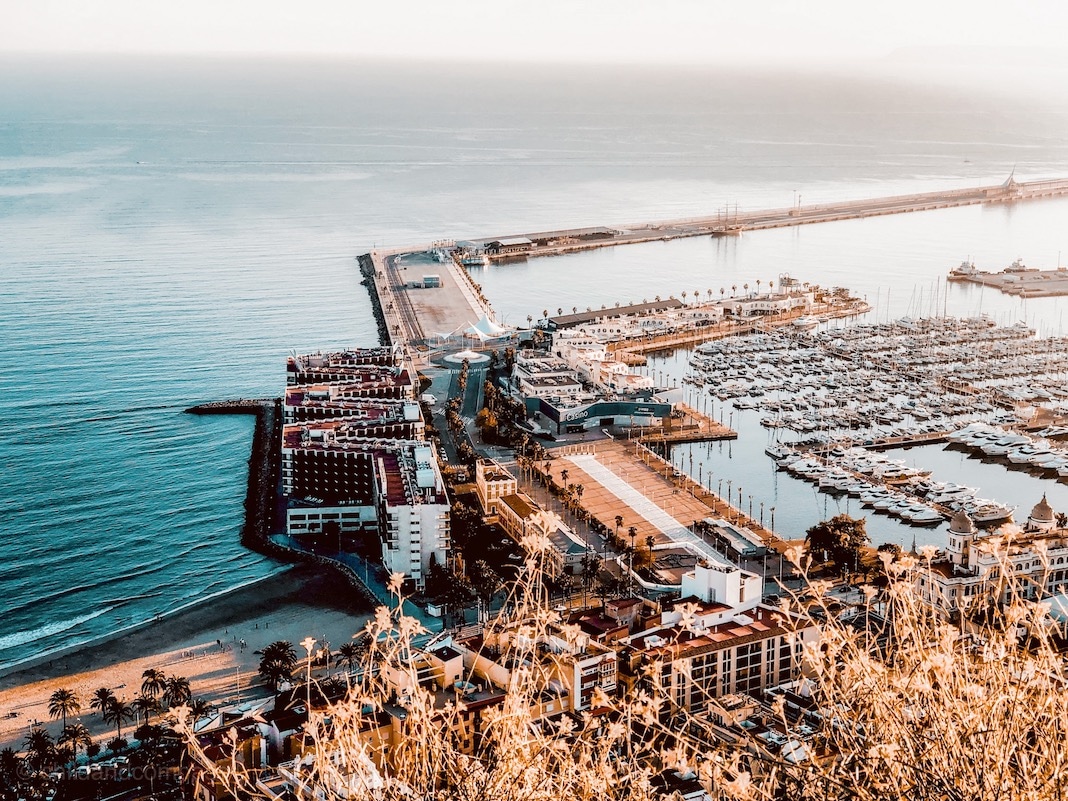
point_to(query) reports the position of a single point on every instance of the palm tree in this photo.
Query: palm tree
(734, 288)
(118, 711)
(684, 296)
(176, 691)
(146, 705)
(10, 765)
(102, 699)
(74, 735)
(545, 314)
(349, 655)
(199, 708)
(63, 702)
(277, 662)
(153, 682)
(40, 750)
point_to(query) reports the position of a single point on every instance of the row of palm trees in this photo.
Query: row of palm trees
(278, 660)
(685, 294)
(158, 692)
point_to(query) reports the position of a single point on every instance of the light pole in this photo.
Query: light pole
(309, 645)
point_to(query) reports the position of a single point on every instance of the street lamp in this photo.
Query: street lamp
(309, 645)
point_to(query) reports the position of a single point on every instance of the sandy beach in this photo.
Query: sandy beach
(202, 643)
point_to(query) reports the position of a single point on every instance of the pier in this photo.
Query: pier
(1016, 279)
(692, 426)
(633, 351)
(733, 222)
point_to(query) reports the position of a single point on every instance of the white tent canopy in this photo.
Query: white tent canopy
(486, 328)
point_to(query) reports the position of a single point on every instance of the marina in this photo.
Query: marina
(877, 383)
(796, 360)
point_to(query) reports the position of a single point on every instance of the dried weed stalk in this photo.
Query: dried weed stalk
(910, 706)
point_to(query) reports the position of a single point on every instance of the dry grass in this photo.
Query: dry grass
(914, 708)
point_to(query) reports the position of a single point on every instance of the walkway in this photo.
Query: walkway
(668, 525)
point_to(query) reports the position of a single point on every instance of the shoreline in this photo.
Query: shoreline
(31, 662)
(201, 642)
(293, 586)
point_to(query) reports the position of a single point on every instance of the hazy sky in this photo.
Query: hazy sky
(801, 31)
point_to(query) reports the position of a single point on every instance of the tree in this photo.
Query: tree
(486, 421)
(643, 557)
(10, 765)
(117, 712)
(199, 708)
(74, 735)
(153, 682)
(890, 548)
(176, 691)
(840, 538)
(40, 750)
(145, 704)
(349, 655)
(63, 702)
(485, 581)
(277, 662)
(101, 700)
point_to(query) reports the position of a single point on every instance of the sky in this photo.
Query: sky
(801, 32)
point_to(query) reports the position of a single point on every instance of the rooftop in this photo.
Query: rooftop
(578, 318)
(678, 641)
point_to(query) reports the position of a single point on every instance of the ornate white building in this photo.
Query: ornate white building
(977, 567)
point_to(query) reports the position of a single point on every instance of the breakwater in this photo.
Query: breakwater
(261, 495)
(731, 222)
(264, 465)
(367, 270)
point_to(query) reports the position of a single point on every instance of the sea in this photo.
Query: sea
(170, 229)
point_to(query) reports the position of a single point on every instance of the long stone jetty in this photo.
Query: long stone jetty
(732, 222)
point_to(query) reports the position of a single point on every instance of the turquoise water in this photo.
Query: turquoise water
(169, 230)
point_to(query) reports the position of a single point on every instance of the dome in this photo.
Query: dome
(1043, 512)
(961, 523)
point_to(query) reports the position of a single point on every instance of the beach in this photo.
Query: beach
(202, 643)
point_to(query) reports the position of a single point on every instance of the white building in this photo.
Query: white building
(719, 639)
(978, 568)
(392, 488)
(592, 361)
(545, 377)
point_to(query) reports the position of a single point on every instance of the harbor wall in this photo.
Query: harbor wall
(367, 269)
(262, 508)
